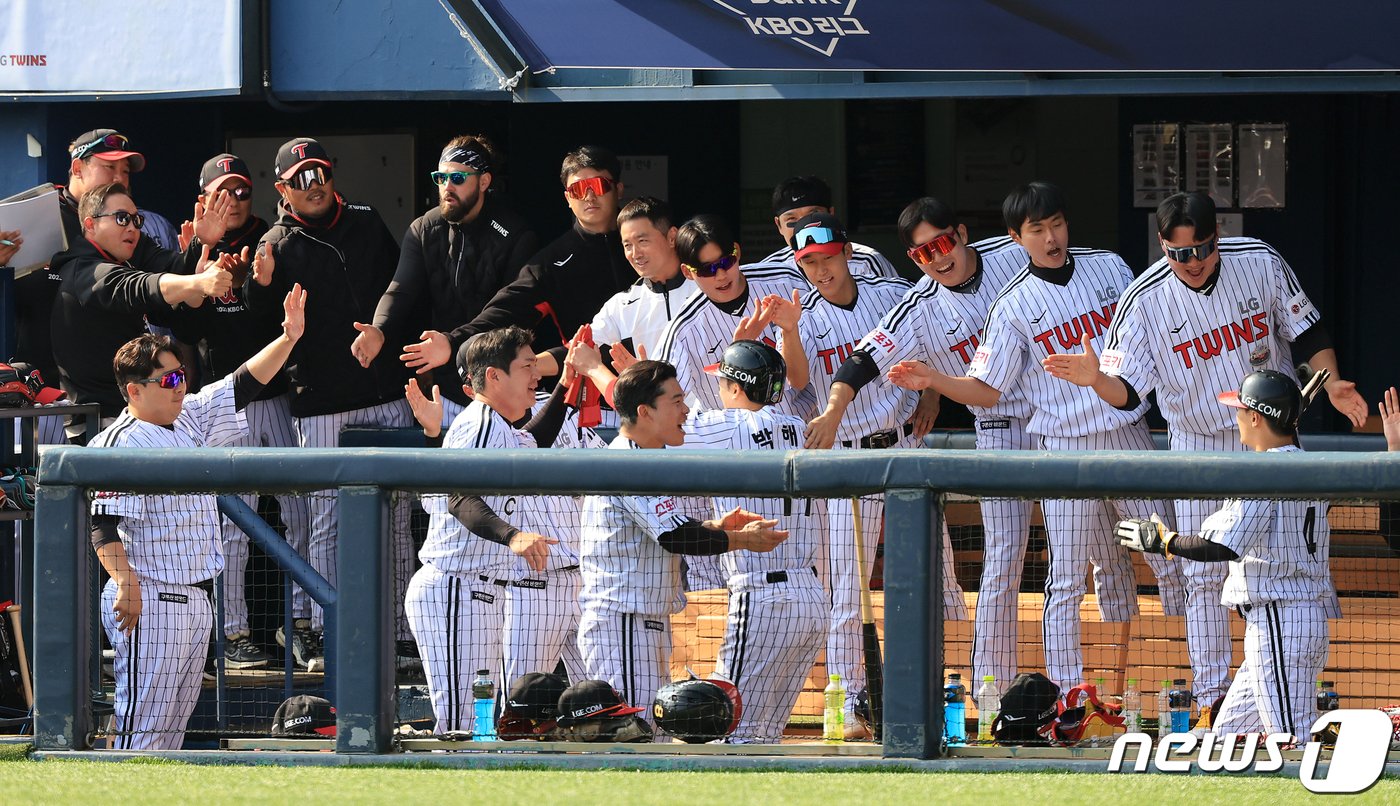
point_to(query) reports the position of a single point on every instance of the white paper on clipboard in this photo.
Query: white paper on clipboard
(36, 215)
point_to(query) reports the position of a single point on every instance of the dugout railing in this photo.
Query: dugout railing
(912, 481)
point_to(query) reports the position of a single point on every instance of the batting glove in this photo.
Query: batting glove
(1147, 536)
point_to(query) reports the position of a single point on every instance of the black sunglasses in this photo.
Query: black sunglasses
(123, 218)
(243, 193)
(309, 176)
(1183, 254)
(711, 269)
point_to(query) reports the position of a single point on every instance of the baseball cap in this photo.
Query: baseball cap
(589, 699)
(536, 695)
(217, 168)
(298, 152)
(107, 144)
(818, 232)
(800, 191)
(304, 717)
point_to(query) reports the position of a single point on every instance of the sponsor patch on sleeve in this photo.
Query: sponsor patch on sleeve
(980, 358)
(883, 339)
(1299, 308)
(1113, 362)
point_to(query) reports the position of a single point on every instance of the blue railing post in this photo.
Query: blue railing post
(62, 625)
(363, 654)
(913, 624)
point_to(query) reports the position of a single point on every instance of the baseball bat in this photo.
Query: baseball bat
(23, 658)
(874, 661)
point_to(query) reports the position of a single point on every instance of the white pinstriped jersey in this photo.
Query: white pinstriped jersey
(943, 327)
(830, 334)
(1189, 345)
(1282, 546)
(864, 260)
(1033, 318)
(175, 539)
(698, 335)
(450, 547)
(624, 568)
(641, 313)
(764, 429)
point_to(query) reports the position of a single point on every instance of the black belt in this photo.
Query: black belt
(880, 439)
(533, 584)
(207, 586)
(502, 582)
(1244, 609)
(781, 576)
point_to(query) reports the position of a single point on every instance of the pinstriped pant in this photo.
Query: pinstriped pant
(457, 622)
(1285, 649)
(631, 651)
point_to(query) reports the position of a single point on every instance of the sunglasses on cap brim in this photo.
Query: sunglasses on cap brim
(1183, 254)
(729, 261)
(170, 380)
(815, 236)
(309, 176)
(116, 142)
(599, 185)
(926, 253)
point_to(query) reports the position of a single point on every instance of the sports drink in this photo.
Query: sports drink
(955, 710)
(483, 707)
(834, 712)
(1179, 701)
(988, 704)
(1132, 707)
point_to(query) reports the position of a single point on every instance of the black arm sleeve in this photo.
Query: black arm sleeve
(694, 538)
(472, 512)
(104, 530)
(1311, 342)
(434, 442)
(1194, 547)
(545, 425)
(857, 371)
(1133, 400)
(246, 388)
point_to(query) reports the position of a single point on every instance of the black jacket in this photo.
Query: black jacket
(451, 284)
(345, 264)
(560, 289)
(102, 304)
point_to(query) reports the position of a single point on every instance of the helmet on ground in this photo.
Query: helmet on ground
(694, 711)
(756, 367)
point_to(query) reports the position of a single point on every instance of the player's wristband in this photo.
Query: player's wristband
(1167, 544)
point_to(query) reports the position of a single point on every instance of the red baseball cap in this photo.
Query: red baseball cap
(818, 232)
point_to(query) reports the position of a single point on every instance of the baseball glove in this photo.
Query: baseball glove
(15, 390)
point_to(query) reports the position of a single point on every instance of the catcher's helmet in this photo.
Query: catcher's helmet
(694, 711)
(756, 367)
(1271, 393)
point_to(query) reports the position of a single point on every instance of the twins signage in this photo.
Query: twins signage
(982, 35)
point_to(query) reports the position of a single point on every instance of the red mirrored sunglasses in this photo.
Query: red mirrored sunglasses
(598, 184)
(927, 253)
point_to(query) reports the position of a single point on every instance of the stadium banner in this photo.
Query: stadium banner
(82, 46)
(978, 35)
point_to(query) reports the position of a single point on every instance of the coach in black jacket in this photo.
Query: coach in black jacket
(455, 257)
(567, 282)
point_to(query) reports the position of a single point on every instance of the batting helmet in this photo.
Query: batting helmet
(756, 367)
(1271, 393)
(694, 711)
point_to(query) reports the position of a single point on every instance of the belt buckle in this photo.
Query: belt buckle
(881, 439)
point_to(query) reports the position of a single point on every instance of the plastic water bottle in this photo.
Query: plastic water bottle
(1179, 700)
(955, 710)
(988, 705)
(834, 712)
(483, 707)
(1327, 698)
(1164, 710)
(1132, 707)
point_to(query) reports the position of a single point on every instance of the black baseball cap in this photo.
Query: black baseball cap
(800, 191)
(304, 717)
(590, 699)
(536, 695)
(221, 166)
(107, 144)
(299, 152)
(818, 232)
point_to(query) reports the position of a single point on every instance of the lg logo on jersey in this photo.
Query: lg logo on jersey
(1358, 760)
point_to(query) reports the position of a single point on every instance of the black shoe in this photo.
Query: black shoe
(408, 659)
(241, 653)
(306, 645)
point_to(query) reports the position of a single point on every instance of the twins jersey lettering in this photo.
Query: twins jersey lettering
(830, 334)
(865, 261)
(624, 568)
(943, 327)
(1033, 318)
(174, 539)
(641, 313)
(698, 336)
(1188, 345)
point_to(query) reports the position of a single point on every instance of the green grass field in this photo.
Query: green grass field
(23, 781)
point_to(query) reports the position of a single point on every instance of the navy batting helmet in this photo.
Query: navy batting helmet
(756, 367)
(694, 711)
(1270, 393)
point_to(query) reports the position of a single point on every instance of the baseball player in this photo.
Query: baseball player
(1277, 578)
(1063, 298)
(940, 321)
(454, 259)
(344, 255)
(816, 337)
(1208, 312)
(163, 551)
(796, 198)
(455, 602)
(631, 546)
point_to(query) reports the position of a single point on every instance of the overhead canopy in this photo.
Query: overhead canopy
(952, 35)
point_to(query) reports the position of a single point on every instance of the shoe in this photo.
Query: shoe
(856, 732)
(306, 644)
(407, 656)
(241, 653)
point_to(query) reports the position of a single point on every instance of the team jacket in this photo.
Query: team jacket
(641, 314)
(102, 304)
(454, 282)
(345, 264)
(558, 290)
